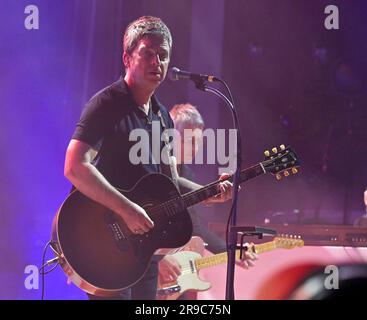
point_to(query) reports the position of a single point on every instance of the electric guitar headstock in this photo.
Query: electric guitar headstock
(288, 241)
(278, 162)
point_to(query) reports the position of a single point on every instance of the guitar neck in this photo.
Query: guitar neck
(193, 197)
(221, 258)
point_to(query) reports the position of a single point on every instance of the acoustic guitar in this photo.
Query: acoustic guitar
(100, 255)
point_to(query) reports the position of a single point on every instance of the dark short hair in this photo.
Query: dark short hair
(145, 26)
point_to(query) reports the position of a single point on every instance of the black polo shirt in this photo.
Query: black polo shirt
(105, 124)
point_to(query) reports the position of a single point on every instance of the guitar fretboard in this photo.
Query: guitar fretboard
(212, 189)
(220, 258)
(176, 205)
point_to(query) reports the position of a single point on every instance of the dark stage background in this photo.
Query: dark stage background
(294, 82)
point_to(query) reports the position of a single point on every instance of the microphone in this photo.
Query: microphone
(177, 74)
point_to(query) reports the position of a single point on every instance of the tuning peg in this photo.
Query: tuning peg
(278, 176)
(286, 173)
(266, 153)
(275, 150)
(294, 170)
(282, 147)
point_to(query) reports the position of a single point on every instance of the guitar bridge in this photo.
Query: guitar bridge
(116, 232)
(169, 290)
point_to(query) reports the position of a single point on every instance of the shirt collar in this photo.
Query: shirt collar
(121, 86)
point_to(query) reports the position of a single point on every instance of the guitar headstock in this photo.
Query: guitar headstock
(288, 241)
(280, 161)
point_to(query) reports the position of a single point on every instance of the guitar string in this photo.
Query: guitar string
(168, 205)
(260, 248)
(187, 269)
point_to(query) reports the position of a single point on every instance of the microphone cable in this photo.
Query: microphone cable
(42, 271)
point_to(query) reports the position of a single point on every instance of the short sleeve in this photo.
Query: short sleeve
(97, 119)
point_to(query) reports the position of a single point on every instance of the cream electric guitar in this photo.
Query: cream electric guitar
(192, 262)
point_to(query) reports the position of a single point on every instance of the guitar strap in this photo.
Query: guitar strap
(169, 169)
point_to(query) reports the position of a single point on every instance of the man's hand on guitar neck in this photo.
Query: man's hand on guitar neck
(226, 188)
(248, 257)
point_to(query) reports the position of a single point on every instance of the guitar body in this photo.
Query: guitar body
(191, 262)
(196, 246)
(189, 278)
(100, 254)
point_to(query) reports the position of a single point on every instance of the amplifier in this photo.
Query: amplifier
(312, 235)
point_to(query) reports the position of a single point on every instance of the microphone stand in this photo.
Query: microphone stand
(232, 234)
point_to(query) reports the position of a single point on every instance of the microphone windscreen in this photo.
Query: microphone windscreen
(173, 74)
